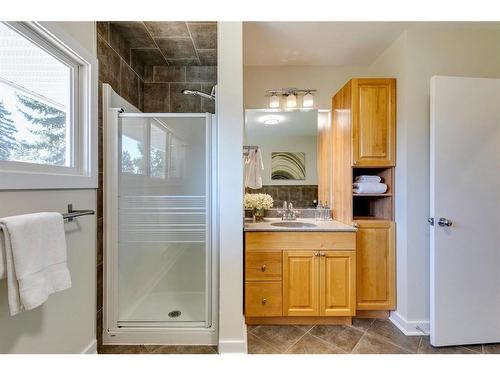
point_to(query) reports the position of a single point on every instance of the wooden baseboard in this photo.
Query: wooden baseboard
(377, 314)
(300, 320)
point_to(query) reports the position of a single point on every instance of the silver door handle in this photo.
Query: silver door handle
(443, 222)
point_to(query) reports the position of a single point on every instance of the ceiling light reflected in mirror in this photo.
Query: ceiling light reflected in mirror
(272, 121)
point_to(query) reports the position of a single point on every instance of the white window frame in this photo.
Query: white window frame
(82, 174)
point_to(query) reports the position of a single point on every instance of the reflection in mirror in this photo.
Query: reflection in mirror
(288, 144)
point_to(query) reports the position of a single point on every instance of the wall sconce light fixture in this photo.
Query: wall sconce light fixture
(291, 95)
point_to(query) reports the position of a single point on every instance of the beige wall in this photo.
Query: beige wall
(414, 58)
(326, 79)
(83, 32)
(66, 322)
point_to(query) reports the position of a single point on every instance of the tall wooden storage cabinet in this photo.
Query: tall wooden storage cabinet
(364, 142)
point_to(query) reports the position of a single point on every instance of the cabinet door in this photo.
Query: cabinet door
(300, 283)
(374, 122)
(337, 283)
(375, 265)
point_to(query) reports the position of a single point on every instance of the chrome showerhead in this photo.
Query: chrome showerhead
(210, 96)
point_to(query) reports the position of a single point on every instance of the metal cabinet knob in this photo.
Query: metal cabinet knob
(443, 222)
(322, 254)
(316, 254)
(263, 268)
(264, 301)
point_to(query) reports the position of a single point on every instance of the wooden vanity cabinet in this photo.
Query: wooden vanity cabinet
(373, 122)
(319, 283)
(300, 283)
(364, 143)
(376, 265)
(337, 283)
(300, 274)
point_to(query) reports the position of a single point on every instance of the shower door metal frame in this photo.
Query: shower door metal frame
(166, 332)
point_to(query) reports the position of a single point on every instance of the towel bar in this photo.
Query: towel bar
(71, 214)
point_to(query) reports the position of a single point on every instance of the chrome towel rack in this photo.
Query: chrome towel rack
(247, 149)
(71, 214)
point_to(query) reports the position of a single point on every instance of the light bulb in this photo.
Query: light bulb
(308, 101)
(291, 101)
(274, 101)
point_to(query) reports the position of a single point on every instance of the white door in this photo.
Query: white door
(465, 205)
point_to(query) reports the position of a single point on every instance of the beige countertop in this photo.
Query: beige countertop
(319, 226)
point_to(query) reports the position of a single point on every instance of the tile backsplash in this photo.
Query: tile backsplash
(301, 196)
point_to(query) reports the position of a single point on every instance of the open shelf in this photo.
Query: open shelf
(386, 174)
(374, 206)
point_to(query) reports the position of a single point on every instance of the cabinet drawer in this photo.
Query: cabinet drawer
(263, 299)
(263, 266)
(267, 241)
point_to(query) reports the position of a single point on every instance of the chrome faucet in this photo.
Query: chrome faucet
(288, 212)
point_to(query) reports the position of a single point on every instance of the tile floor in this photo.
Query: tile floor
(365, 336)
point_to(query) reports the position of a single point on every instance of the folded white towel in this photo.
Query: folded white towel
(367, 178)
(254, 168)
(35, 258)
(369, 188)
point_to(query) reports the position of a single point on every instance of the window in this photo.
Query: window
(46, 135)
(35, 103)
(150, 149)
(133, 145)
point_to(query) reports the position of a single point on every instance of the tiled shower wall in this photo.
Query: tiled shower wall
(151, 88)
(114, 69)
(163, 86)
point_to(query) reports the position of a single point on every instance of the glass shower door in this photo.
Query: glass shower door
(164, 210)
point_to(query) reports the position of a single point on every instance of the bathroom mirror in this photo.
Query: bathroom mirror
(288, 143)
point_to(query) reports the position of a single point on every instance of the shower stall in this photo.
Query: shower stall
(160, 273)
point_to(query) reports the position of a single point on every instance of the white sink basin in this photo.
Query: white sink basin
(293, 224)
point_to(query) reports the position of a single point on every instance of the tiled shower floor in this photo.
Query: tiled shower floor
(156, 349)
(365, 336)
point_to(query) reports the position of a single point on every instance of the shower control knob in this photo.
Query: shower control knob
(263, 268)
(264, 301)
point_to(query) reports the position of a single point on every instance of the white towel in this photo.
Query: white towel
(367, 178)
(35, 258)
(369, 188)
(254, 168)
